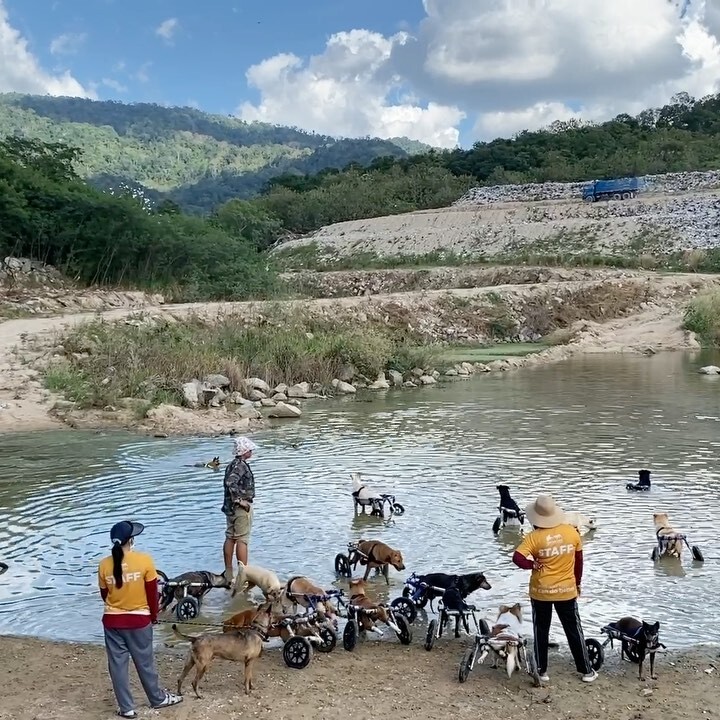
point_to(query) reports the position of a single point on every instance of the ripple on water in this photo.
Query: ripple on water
(579, 430)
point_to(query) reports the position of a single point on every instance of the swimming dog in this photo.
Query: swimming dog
(242, 645)
(510, 512)
(196, 583)
(647, 641)
(669, 543)
(302, 591)
(466, 584)
(379, 555)
(643, 481)
(214, 464)
(250, 576)
(580, 521)
(505, 635)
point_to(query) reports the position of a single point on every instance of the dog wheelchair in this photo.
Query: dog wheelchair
(628, 646)
(416, 594)
(355, 615)
(346, 563)
(499, 645)
(377, 504)
(298, 648)
(452, 606)
(188, 606)
(664, 542)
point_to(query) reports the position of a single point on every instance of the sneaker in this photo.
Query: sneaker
(127, 714)
(590, 677)
(544, 677)
(170, 699)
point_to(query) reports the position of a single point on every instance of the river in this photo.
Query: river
(579, 430)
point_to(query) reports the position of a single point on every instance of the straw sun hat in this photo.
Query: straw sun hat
(544, 512)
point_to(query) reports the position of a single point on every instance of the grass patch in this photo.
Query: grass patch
(150, 362)
(703, 318)
(487, 353)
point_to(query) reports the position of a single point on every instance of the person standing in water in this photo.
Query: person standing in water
(128, 586)
(553, 551)
(238, 505)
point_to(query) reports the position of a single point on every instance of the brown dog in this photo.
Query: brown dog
(277, 628)
(297, 591)
(373, 611)
(241, 645)
(672, 547)
(379, 555)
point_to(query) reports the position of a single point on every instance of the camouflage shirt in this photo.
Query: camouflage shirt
(239, 485)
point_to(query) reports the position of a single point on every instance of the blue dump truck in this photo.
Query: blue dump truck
(621, 189)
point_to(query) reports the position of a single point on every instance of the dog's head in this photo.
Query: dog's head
(504, 491)
(515, 610)
(356, 481)
(357, 587)
(220, 581)
(468, 584)
(661, 520)
(453, 599)
(263, 617)
(592, 524)
(651, 633)
(214, 463)
(396, 560)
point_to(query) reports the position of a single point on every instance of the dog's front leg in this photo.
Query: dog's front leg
(367, 571)
(641, 677)
(653, 676)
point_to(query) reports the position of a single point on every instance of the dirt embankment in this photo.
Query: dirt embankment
(378, 680)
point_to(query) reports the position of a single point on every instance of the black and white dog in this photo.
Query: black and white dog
(510, 513)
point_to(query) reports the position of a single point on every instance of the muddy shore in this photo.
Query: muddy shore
(63, 681)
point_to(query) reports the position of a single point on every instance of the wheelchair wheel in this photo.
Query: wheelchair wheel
(342, 565)
(162, 575)
(3, 568)
(297, 652)
(350, 635)
(430, 636)
(531, 665)
(329, 640)
(187, 609)
(405, 606)
(466, 664)
(496, 526)
(697, 554)
(398, 509)
(484, 627)
(596, 653)
(655, 554)
(630, 650)
(405, 634)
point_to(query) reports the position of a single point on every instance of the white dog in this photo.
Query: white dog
(250, 576)
(580, 521)
(363, 496)
(505, 635)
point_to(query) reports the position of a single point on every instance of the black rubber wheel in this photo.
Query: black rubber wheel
(496, 526)
(329, 640)
(655, 554)
(697, 554)
(398, 509)
(596, 653)
(297, 652)
(342, 565)
(626, 196)
(466, 664)
(531, 665)
(3, 568)
(187, 609)
(405, 634)
(484, 627)
(430, 636)
(405, 607)
(350, 635)
(630, 650)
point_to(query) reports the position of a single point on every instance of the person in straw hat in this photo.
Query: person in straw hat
(553, 551)
(238, 504)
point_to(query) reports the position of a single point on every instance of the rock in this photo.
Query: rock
(300, 390)
(409, 384)
(435, 374)
(236, 398)
(257, 384)
(267, 402)
(710, 370)
(461, 371)
(417, 372)
(468, 366)
(219, 381)
(256, 395)
(380, 383)
(427, 380)
(452, 372)
(481, 367)
(279, 397)
(344, 388)
(396, 378)
(347, 373)
(64, 405)
(284, 410)
(500, 365)
(294, 401)
(191, 394)
(248, 411)
(282, 388)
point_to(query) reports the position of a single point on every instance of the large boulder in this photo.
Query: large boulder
(396, 378)
(380, 384)
(343, 388)
(710, 370)
(300, 390)
(217, 381)
(191, 394)
(248, 411)
(255, 383)
(284, 410)
(427, 380)
(256, 395)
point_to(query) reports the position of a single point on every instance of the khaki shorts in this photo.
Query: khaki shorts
(239, 525)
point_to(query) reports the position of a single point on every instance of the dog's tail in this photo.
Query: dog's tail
(182, 636)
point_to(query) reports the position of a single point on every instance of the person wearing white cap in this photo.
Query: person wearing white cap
(238, 503)
(553, 551)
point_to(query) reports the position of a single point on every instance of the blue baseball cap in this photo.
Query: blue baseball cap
(122, 532)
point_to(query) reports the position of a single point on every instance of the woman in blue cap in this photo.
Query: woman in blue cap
(128, 586)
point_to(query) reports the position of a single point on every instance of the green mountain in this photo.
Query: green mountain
(195, 159)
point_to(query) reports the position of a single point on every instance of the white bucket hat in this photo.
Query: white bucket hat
(243, 445)
(544, 512)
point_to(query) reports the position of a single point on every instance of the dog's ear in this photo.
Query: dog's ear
(503, 609)
(516, 606)
(656, 626)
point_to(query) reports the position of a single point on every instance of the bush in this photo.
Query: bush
(703, 317)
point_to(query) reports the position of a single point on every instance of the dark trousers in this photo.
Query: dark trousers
(567, 612)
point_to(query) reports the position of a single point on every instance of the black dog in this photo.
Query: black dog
(465, 584)
(509, 509)
(642, 484)
(3, 568)
(647, 641)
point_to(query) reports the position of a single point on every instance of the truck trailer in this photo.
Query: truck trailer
(620, 189)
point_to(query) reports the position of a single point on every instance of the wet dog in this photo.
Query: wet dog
(251, 576)
(466, 584)
(379, 555)
(302, 591)
(196, 583)
(647, 641)
(243, 645)
(510, 512)
(668, 542)
(580, 521)
(643, 482)
(505, 634)
(214, 464)
(372, 610)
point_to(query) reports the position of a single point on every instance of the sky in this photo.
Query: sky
(445, 72)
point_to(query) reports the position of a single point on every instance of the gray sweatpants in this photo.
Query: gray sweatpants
(121, 645)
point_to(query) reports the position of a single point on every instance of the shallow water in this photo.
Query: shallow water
(579, 430)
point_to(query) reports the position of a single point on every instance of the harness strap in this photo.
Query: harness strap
(289, 583)
(369, 554)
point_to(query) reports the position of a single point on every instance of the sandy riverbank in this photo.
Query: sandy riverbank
(58, 681)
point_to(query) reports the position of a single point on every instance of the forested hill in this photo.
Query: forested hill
(194, 158)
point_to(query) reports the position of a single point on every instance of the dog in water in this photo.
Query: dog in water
(251, 576)
(580, 521)
(466, 584)
(302, 591)
(647, 641)
(668, 542)
(196, 583)
(643, 483)
(364, 496)
(506, 633)
(379, 555)
(214, 464)
(510, 512)
(244, 645)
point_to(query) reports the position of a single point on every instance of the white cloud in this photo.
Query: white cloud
(20, 70)
(67, 43)
(114, 85)
(508, 65)
(167, 29)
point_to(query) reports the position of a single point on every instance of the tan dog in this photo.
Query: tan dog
(373, 611)
(505, 634)
(379, 555)
(580, 521)
(240, 646)
(250, 576)
(297, 591)
(671, 547)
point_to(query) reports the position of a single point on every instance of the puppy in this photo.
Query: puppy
(647, 641)
(195, 583)
(379, 555)
(299, 589)
(250, 576)
(239, 646)
(580, 521)
(359, 599)
(670, 545)
(506, 631)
